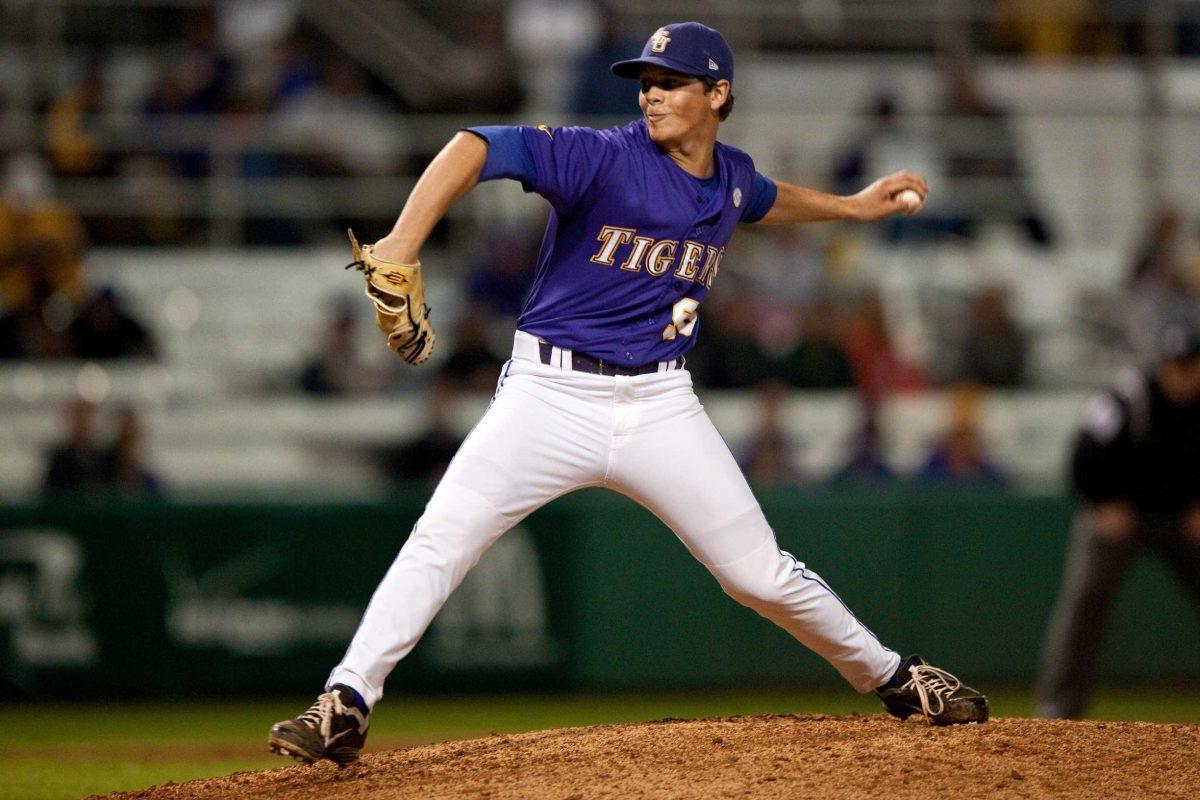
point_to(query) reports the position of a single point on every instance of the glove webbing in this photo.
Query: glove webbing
(416, 342)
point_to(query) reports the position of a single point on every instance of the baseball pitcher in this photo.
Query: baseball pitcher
(597, 391)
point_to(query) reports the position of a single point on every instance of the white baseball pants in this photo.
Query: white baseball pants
(551, 430)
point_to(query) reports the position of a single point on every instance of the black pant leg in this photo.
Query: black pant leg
(1180, 553)
(1092, 576)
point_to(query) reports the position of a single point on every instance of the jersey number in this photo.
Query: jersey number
(683, 319)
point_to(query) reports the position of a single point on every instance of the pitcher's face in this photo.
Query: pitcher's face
(676, 106)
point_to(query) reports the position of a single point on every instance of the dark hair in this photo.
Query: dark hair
(727, 107)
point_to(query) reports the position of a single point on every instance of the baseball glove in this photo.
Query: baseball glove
(398, 293)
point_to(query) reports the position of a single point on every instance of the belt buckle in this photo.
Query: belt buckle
(600, 366)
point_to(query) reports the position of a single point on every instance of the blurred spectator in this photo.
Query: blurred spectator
(983, 159)
(959, 459)
(41, 239)
(817, 361)
(298, 72)
(885, 145)
(975, 158)
(773, 319)
(74, 146)
(549, 35)
(198, 81)
(994, 348)
(147, 182)
(1163, 282)
(337, 369)
(493, 82)
(785, 265)
(1136, 471)
(769, 457)
(36, 327)
(360, 142)
(866, 464)
(727, 355)
(104, 328)
(124, 469)
(426, 457)
(854, 164)
(879, 368)
(249, 26)
(597, 91)
(254, 128)
(1158, 254)
(1056, 28)
(77, 464)
(200, 78)
(472, 365)
(1187, 29)
(500, 277)
(959, 456)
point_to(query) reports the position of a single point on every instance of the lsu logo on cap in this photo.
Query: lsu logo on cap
(713, 65)
(659, 41)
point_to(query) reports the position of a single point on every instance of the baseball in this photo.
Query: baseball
(911, 200)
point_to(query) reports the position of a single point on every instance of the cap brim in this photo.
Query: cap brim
(634, 66)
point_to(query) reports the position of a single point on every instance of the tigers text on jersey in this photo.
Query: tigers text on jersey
(633, 242)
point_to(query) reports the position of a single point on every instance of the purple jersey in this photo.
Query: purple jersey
(633, 242)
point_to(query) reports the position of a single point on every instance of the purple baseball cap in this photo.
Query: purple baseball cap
(687, 47)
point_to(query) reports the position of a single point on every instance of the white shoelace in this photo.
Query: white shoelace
(932, 684)
(321, 713)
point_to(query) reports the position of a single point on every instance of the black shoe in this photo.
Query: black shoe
(918, 688)
(334, 727)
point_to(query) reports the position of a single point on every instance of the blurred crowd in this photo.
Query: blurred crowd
(292, 103)
(783, 317)
(48, 307)
(82, 464)
(973, 154)
(779, 321)
(788, 314)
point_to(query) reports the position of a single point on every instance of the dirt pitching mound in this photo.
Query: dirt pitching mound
(777, 756)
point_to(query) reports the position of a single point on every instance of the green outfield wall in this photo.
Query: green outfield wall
(591, 592)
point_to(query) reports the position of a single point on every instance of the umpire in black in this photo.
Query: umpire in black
(1136, 472)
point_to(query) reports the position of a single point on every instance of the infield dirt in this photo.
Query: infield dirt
(776, 756)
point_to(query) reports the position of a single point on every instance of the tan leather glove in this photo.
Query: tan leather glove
(398, 293)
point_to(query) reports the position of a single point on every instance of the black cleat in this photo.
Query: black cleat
(934, 693)
(333, 727)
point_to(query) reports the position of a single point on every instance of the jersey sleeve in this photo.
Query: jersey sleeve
(567, 161)
(508, 156)
(762, 196)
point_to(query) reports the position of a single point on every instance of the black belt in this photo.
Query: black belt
(598, 366)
